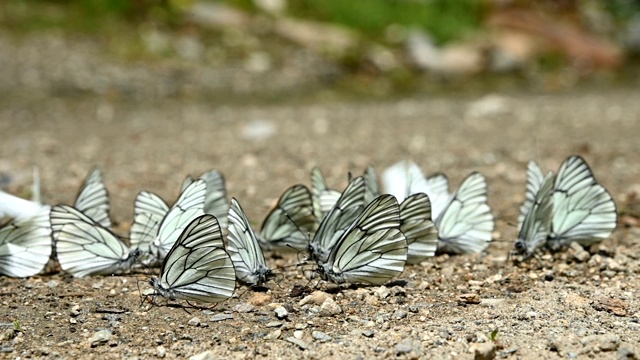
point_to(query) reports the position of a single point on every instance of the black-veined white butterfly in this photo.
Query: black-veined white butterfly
(215, 202)
(291, 222)
(25, 242)
(349, 205)
(197, 268)
(534, 221)
(465, 225)
(372, 250)
(418, 228)
(322, 196)
(372, 187)
(244, 249)
(583, 210)
(84, 247)
(156, 227)
(93, 199)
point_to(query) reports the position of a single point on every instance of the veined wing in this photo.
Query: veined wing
(291, 222)
(403, 179)
(25, 245)
(149, 210)
(84, 247)
(197, 268)
(536, 223)
(341, 216)
(466, 225)
(372, 250)
(583, 210)
(189, 205)
(535, 178)
(418, 227)
(243, 247)
(93, 199)
(438, 192)
(372, 189)
(215, 202)
(323, 198)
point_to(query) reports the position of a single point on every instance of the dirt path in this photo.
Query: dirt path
(548, 309)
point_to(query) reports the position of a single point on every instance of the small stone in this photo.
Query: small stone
(368, 333)
(597, 343)
(382, 292)
(580, 254)
(260, 299)
(207, 355)
(320, 336)
(100, 337)
(52, 284)
(194, 321)
(298, 334)
(281, 312)
(626, 353)
(75, 310)
(220, 317)
(399, 314)
(485, 351)
(273, 324)
(404, 347)
(273, 335)
(330, 308)
(243, 308)
(316, 298)
(615, 306)
(301, 344)
(470, 298)
(161, 351)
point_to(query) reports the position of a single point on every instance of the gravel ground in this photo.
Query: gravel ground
(572, 304)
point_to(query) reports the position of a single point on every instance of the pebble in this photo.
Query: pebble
(273, 335)
(470, 298)
(243, 308)
(281, 312)
(301, 344)
(330, 308)
(615, 306)
(161, 351)
(320, 336)
(399, 314)
(100, 337)
(260, 299)
(194, 321)
(597, 343)
(273, 324)
(75, 310)
(298, 334)
(207, 355)
(220, 317)
(580, 254)
(368, 333)
(626, 353)
(382, 292)
(316, 298)
(484, 351)
(404, 347)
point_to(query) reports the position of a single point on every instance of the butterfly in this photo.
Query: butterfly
(534, 220)
(25, 243)
(215, 202)
(465, 224)
(84, 247)
(418, 228)
(338, 219)
(197, 268)
(583, 210)
(372, 250)
(156, 227)
(245, 251)
(322, 196)
(290, 222)
(93, 198)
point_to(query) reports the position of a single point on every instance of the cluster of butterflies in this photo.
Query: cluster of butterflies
(360, 235)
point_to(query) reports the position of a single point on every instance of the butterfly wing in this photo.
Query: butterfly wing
(536, 223)
(149, 210)
(372, 189)
(291, 222)
(583, 210)
(403, 179)
(466, 224)
(25, 245)
(93, 199)
(535, 179)
(84, 247)
(418, 228)
(197, 267)
(244, 249)
(323, 198)
(215, 202)
(372, 250)
(341, 216)
(189, 205)
(438, 193)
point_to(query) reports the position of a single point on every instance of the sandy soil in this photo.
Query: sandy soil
(556, 307)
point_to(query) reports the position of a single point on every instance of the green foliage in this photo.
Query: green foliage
(17, 326)
(493, 336)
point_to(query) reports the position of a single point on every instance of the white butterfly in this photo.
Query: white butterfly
(215, 202)
(583, 210)
(466, 224)
(534, 221)
(93, 199)
(156, 228)
(405, 178)
(25, 243)
(372, 189)
(340, 217)
(84, 247)
(418, 228)
(197, 268)
(291, 222)
(245, 251)
(372, 250)
(323, 198)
